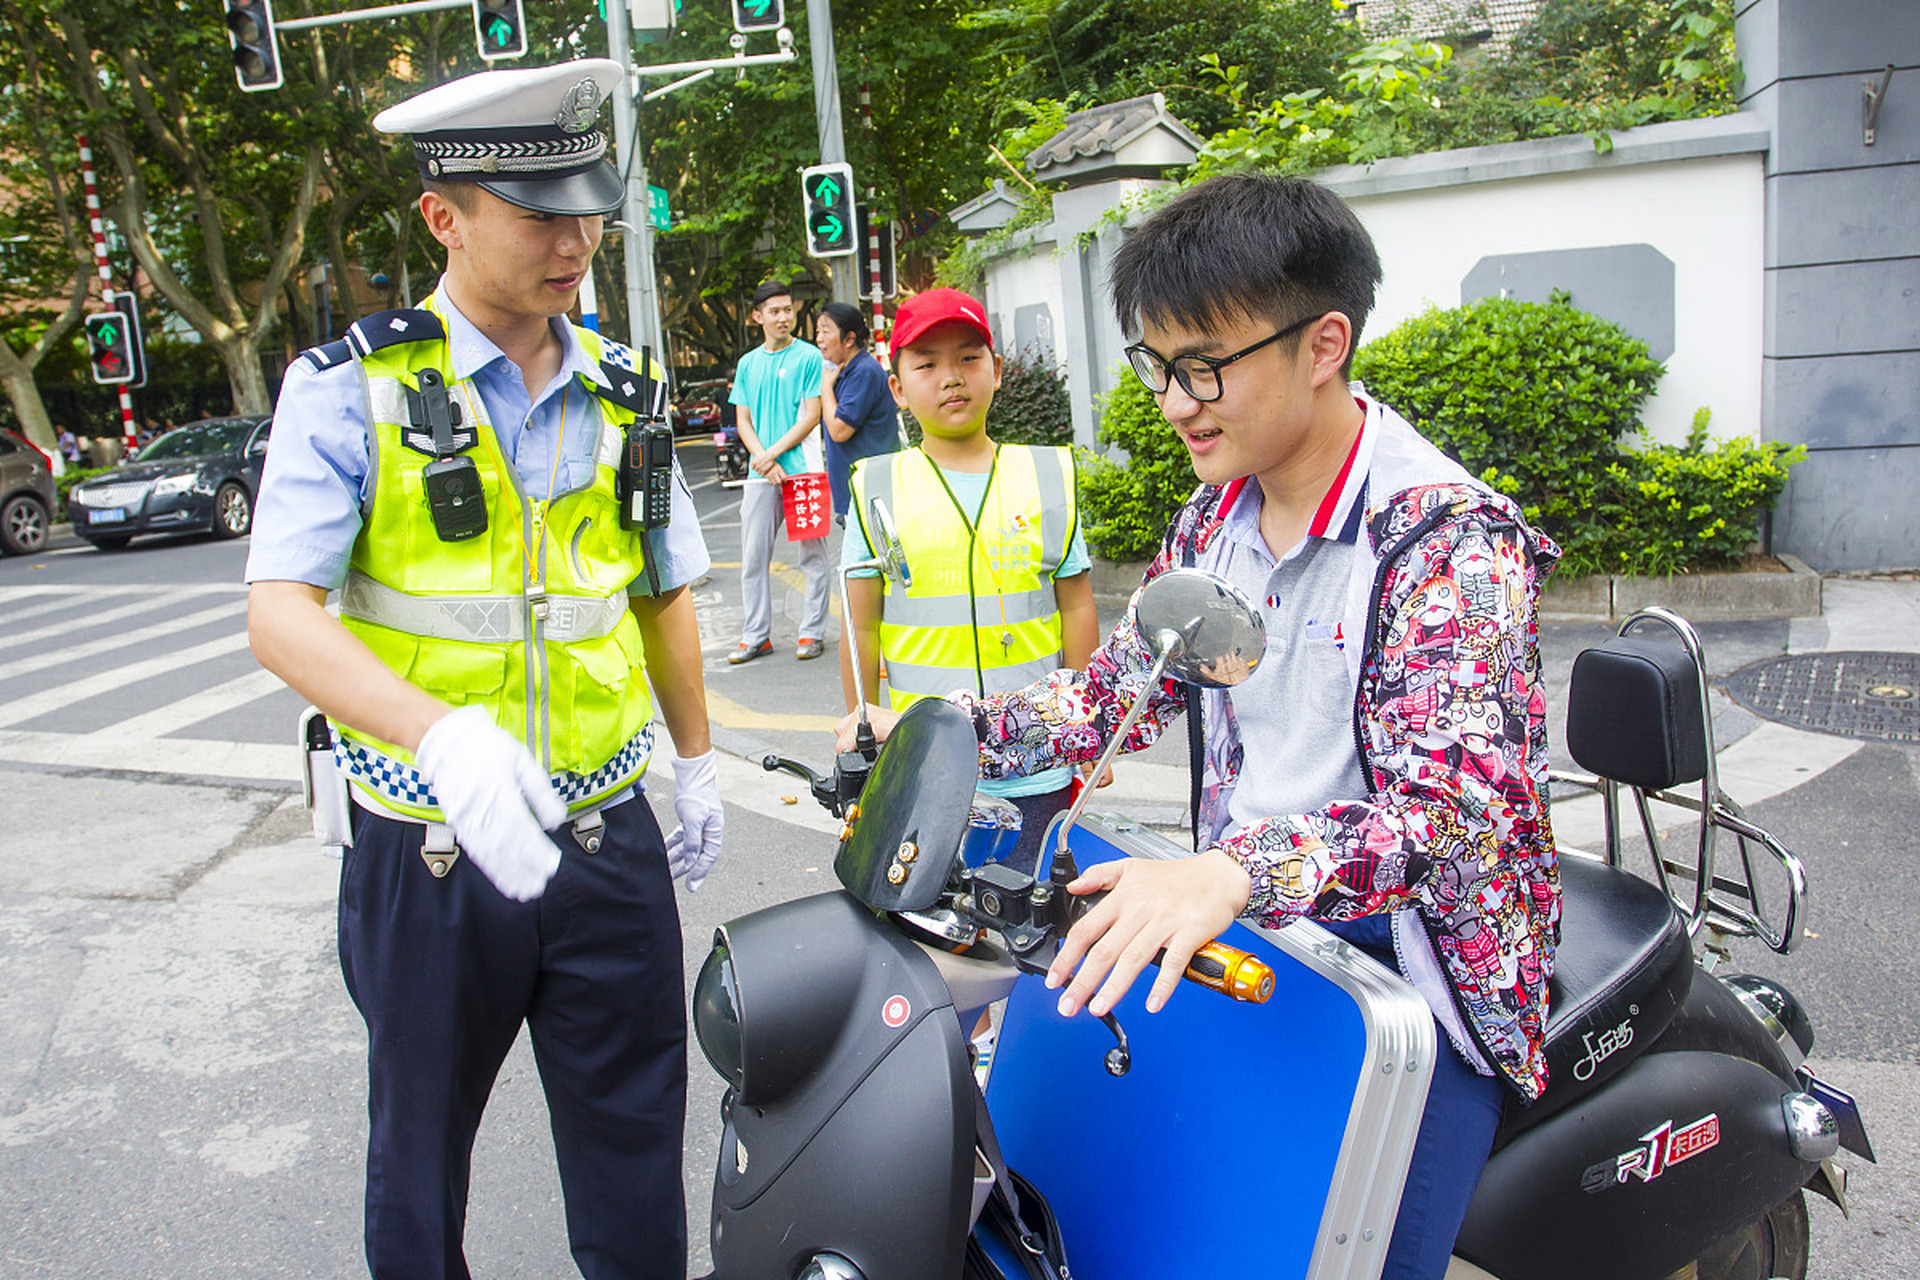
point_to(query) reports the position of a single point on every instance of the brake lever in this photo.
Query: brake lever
(825, 793)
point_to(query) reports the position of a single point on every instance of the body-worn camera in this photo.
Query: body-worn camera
(455, 498)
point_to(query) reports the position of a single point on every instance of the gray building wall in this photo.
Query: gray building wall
(1841, 373)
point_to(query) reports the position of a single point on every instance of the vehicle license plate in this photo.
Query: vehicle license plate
(107, 515)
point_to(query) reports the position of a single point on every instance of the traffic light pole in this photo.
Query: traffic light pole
(826, 115)
(643, 298)
(106, 281)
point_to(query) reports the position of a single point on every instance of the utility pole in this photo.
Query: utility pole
(826, 115)
(643, 298)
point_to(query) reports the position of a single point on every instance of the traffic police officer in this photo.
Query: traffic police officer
(453, 471)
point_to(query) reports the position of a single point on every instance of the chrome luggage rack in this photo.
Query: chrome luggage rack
(1717, 906)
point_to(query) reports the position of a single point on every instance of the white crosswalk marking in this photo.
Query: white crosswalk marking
(53, 667)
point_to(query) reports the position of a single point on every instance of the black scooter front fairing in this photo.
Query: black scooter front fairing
(842, 1029)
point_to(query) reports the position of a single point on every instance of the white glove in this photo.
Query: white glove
(496, 798)
(694, 846)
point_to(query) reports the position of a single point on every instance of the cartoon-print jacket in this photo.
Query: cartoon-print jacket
(1450, 727)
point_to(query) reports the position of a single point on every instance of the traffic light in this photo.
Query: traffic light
(759, 15)
(256, 49)
(110, 347)
(827, 194)
(500, 29)
(129, 306)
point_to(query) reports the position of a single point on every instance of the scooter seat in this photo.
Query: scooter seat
(1621, 972)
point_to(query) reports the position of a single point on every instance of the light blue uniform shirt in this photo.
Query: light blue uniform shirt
(970, 490)
(317, 480)
(773, 385)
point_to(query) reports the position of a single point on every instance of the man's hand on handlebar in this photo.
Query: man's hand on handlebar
(1178, 906)
(881, 718)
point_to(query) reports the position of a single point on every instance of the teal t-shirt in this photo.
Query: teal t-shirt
(970, 489)
(772, 385)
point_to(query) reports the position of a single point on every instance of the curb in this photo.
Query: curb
(1701, 597)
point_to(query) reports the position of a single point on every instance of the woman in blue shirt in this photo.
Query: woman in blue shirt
(855, 402)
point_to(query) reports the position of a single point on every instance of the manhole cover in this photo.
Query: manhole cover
(1853, 695)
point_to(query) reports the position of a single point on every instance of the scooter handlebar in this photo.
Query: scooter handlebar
(1230, 971)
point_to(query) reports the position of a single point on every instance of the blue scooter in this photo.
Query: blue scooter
(1254, 1137)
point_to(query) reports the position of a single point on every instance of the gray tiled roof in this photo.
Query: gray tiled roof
(1428, 19)
(1106, 131)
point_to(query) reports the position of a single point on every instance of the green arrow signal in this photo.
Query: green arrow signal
(109, 334)
(757, 8)
(829, 227)
(826, 189)
(499, 31)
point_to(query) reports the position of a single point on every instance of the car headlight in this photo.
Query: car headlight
(716, 1014)
(171, 485)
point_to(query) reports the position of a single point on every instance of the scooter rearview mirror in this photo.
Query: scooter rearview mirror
(892, 556)
(1210, 634)
(1201, 630)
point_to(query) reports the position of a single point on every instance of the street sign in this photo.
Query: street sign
(759, 15)
(657, 208)
(826, 192)
(862, 264)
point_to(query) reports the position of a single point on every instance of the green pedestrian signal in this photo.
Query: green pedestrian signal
(826, 192)
(759, 15)
(499, 29)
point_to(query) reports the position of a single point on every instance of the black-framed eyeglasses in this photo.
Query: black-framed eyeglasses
(1198, 376)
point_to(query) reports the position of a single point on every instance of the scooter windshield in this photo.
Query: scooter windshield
(913, 811)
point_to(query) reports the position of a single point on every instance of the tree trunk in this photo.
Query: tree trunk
(241, 356)
(24, 395)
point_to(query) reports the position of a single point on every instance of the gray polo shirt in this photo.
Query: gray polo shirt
(1296, 710)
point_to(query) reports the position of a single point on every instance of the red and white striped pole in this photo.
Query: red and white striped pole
(873, 245)
(106, 280)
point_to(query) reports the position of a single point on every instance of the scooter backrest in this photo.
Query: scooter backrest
(913, 810)
(1635, 713)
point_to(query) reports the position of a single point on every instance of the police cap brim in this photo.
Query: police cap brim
(596, 190)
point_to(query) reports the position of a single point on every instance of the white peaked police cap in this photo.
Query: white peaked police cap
(530, 136)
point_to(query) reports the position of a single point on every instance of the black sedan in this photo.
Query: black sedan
(198, 477)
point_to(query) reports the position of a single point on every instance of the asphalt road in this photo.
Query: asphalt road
(181, 1074)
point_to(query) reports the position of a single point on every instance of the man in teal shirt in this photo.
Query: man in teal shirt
(776, 390)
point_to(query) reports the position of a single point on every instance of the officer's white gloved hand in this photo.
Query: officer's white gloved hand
(694, 846)
(496, 797)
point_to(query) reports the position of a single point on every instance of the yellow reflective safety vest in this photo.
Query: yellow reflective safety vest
(528, 619)
(980, 612)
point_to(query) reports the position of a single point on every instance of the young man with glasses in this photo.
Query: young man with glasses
(1383, 771)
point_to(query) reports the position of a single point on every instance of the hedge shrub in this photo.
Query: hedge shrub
(1668, 508)
(1532, 397)
(1125, 509)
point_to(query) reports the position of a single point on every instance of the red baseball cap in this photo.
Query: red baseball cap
(937, 306)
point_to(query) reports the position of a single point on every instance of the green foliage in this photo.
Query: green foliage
(1532, 397)
(1125, 509)
(1666, 509)
(1031, 406)
(1582, 66)
(1537, 398)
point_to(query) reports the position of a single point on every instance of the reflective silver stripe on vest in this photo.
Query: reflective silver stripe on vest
(1051, 480)
(478, 619)
(938, 682)
(963, 611)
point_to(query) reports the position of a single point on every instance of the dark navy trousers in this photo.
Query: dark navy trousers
(1456, 1137)
(445, 971)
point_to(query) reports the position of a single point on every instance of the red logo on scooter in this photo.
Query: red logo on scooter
(1662, 1148)
(896, 1011)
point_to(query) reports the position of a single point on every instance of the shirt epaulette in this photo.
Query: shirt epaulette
(627, 388)
(389, 328)
(327, 355)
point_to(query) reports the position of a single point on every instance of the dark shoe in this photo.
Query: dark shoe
(809, 649)
(744, 652)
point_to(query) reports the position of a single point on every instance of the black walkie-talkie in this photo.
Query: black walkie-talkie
(452, 480)
(646, 463)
